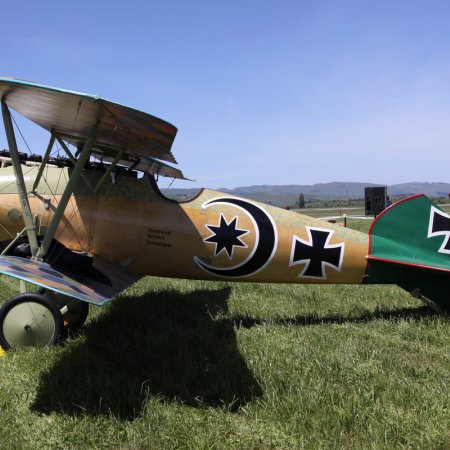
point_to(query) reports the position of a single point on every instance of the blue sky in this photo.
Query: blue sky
(262, 92)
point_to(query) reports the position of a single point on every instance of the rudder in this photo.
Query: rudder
(410, 246)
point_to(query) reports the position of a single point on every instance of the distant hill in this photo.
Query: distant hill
(288, 194)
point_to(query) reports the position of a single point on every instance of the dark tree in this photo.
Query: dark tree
(301, 201)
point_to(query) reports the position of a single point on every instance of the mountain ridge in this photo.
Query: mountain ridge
(288, 194)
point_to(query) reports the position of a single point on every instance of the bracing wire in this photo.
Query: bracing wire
(76, 115)
(20, 132)
(67, 222)
(168, 187)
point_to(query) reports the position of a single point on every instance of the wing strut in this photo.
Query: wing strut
(21, 189)
(65, 197)
(109, 170)
(72, 159)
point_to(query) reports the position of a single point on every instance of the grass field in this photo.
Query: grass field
(352, 211)
(186, 364)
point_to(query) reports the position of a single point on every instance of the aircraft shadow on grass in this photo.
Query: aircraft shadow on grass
(163, 344)
(308, 320)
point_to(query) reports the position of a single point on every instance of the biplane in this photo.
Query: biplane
(82, 227)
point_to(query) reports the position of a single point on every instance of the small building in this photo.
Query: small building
(375, 199)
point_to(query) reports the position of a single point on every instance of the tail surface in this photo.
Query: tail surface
(410, 246)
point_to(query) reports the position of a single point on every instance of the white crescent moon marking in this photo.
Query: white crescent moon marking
(266, 240)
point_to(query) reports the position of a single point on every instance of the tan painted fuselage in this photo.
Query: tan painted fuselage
(214, 236)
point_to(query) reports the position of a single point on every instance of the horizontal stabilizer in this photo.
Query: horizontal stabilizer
(88, 289)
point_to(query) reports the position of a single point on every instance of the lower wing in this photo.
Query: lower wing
(97, 286)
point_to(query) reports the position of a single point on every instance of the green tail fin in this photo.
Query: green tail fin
(410, 246)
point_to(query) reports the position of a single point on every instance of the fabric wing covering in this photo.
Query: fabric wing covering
(72, 115)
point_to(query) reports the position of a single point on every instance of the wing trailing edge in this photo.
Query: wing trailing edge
(96, 290)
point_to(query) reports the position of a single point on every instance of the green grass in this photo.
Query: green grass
(340, 210)
(185, 364)
(329, 212)
(191, 364)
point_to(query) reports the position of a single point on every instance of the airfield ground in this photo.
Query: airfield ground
(349, 211)
(185, 364)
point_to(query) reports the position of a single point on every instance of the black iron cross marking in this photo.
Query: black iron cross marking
(316, 253)
(439, 225)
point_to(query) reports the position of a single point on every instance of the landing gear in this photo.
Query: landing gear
(40, 319)
(30, 320)
(75, 312)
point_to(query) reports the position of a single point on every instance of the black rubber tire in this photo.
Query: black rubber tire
(81, 314)
(46, 338)
(82, 310)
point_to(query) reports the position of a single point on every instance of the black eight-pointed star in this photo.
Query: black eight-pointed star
(226, 236)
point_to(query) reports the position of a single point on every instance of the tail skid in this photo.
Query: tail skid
(410, 246)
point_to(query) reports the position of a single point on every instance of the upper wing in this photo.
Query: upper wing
(97, 290)
(73, 114)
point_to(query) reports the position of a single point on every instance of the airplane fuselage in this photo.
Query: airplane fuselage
(213, 236)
